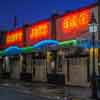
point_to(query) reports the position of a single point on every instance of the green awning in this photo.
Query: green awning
(2, 53)
(68, 43)
(27, 49)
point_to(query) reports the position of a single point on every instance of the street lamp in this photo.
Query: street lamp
(93, 28)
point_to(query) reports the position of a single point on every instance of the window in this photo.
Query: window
(74, 61)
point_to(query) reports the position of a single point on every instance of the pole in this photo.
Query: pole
(15, 22)
(53, 36)
(93, 81)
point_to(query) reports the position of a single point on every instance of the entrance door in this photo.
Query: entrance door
(39, 66)
(14, 64)
(55, 67)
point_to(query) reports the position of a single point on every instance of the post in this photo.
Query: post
(15, 22)
(93, 81)
(93, 28)
(53, 36)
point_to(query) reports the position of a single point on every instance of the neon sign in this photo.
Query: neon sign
(77, 21)
(73, 24)
(14, 37)
(38, 32)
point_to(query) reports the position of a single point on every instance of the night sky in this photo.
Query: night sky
(29, 11)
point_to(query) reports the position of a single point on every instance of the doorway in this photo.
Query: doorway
(77, 70)
(55, 68)
(39, 66)
(14, 67)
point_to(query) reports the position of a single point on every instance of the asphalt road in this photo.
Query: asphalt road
(12, 91)
(13, 94)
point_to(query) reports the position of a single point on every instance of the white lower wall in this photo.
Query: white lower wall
(77, 73)
(40, 70)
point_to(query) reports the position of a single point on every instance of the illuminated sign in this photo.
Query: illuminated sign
(45, 43)
(73, 24)
(74, 21)
(68, 26)
(39, 31)
(14, 37)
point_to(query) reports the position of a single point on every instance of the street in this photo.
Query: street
(23, 91)
(12, 94)
(41, 91)
(7, 93)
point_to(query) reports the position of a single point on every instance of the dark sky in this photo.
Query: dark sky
(29, 11)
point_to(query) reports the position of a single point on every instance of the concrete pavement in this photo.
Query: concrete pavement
(49, 91)
(7, 93)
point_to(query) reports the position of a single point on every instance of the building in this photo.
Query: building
(47, 56)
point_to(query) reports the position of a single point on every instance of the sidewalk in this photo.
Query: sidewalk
(49, 90)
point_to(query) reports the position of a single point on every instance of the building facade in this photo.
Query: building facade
(29, 53)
